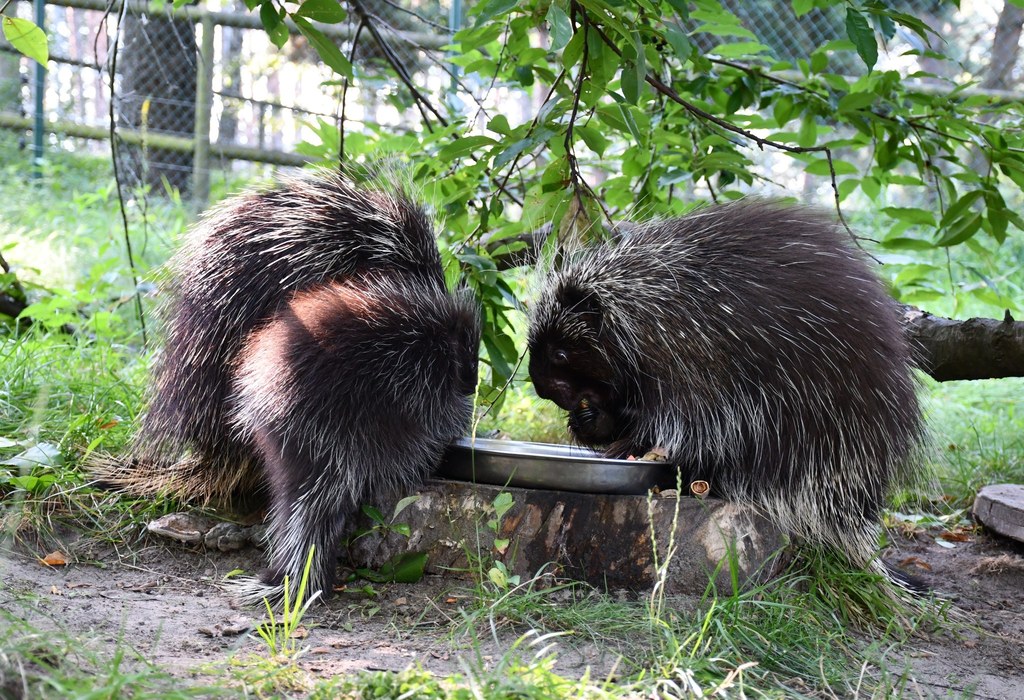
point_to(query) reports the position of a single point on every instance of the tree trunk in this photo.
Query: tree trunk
(1005, 48)
(156, 92)
(10, 77)
(231, 83)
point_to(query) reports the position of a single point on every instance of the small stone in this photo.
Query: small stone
(1001, 508)
(226, 537)
(259, 535)
(184, 527)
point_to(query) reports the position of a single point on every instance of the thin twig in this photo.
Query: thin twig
(761, 142)
(422, 103)
(344, 94)
(117, 170)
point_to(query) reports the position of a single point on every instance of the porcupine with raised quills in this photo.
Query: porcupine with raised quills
(752, 344)
(312, 350)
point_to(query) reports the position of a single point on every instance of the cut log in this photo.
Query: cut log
(1000, 507)
(608, 541)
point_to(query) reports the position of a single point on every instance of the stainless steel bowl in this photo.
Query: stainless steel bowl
(544, 466)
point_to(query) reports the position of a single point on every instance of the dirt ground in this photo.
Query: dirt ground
(163, 602)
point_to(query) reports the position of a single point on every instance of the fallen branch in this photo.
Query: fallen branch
(978, 348)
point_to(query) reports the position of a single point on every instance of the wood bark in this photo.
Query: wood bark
(978, 348)
(610, 541)
(1005, 48)
(156, 91)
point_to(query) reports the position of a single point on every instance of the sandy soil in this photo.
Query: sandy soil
(163, 601)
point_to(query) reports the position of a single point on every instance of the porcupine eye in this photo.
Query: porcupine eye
(560, 358)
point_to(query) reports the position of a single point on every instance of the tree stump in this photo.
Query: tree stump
(609, 541)
(1000, 507)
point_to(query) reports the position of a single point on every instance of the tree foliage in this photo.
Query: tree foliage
(641, 108)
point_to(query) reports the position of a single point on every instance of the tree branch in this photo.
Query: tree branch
(978, 348)
(761, 142)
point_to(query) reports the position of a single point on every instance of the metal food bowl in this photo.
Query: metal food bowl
(536, 465)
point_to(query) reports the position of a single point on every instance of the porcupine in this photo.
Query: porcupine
(311, 350)
(751, 343)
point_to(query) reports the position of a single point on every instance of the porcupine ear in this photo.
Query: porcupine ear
(583, 302)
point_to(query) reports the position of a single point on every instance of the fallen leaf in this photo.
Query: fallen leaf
(54, 559)
(955, 537)
(299, 632)
(916, 561)
(109, 424)
(451, 601)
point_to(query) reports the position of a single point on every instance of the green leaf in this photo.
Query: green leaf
(885, 23)
(403, 504)
(498, 577)
(326, 11)
(727, 30)
(739, 49)
(463, 146)
(492, 8)
(998, 222)
(273, 24)
(960, 230)
(911, 215)
(592, 136)
(782, 110)
(679, 42)
(802, 7)
(407, 567)
(559, 26)
(27, 38)
(502, 503)
(402, 529)
(537, 137)
(820, 167)
(905, 243)
(871, 187)
(808, 135)
(630, 86)
(855, 101)
(956, 210)
(862, 36)
(373, 514)
(325, 48)
(819, 62)
(682, 8)
(573, 50)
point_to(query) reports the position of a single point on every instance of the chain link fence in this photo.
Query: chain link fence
(203, 88)
(197, 88)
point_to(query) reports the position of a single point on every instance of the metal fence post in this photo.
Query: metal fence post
(204, 102)
(39, 89)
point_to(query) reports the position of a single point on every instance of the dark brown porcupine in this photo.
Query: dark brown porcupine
(312, 347)
(754, 345)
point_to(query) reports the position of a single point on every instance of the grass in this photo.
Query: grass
(819, 630)
(43, 662)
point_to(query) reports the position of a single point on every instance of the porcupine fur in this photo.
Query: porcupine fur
(311, 350)
(753, 344)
